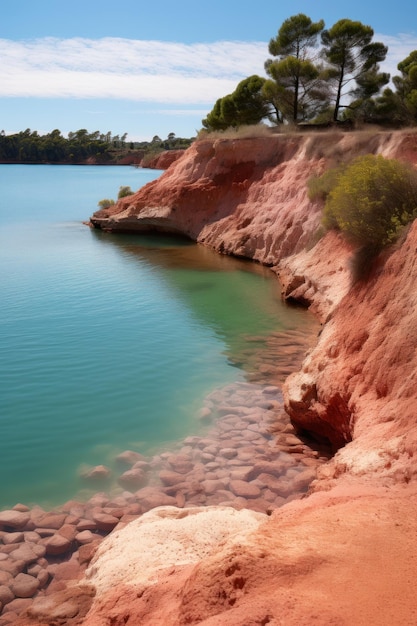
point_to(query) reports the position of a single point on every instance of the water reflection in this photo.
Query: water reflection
(238, 299)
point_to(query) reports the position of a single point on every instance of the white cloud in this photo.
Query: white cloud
(146, 71)
(143, 71)
(399, 47)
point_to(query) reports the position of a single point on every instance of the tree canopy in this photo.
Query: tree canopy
(321, 75)
(295, 72)
(246, 105)
(352, 57)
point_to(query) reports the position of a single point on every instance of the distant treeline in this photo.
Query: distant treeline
(80, 146)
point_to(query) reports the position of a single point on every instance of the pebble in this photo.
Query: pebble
(24, 586)
(133, 479)
(248, 457)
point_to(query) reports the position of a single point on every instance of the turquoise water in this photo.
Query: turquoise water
(107, 342)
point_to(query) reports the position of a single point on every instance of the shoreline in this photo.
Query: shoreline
(248, 457)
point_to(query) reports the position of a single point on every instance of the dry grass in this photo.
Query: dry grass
(243, 132)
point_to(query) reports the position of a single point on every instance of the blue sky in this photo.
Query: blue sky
(151, 68)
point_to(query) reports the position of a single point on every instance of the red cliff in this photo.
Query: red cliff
(346, 553)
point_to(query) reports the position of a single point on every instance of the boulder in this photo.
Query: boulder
(133, 479)
(98, 473)
(56, 545)
(15, 520)
(243, 489)
(129, 458)
(105, 522)
(25, 586)
(6, 594)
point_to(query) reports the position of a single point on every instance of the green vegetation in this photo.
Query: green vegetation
(105, 203)
(339, 82)
(370, 201)
(124, 191)
(80, 147)
(399, 106)
(352, 57)
(246, 105)
(319, 187)
(295, 90)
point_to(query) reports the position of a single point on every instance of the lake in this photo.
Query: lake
(108, 342)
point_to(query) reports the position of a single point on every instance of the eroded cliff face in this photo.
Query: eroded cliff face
(245, 197)
(242, 197)
(346, 553)
(248, 197)
(359, 381)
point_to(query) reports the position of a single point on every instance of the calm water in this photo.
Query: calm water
(107, 342)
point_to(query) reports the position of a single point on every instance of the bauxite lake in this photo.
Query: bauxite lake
(108, 342)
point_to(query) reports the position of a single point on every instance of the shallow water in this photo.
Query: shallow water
(109, 342)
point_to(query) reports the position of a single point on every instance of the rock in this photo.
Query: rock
(12, 566)
(242, 473)
(105, 522)
(56, 545)
(84, 537)
(29, 553)
(43, 578)
(205, 414)
(212, 486)
(68, 531)
(15, 520)
(98, 500)
(97, 473)
(50, 520)
(228, 453)
(31, 536)
(243, 489)
(150, 498)
(303, 479)
(164, 159)
(86, 524)
(6, 594)
(168, 477)
(54, 610)
(129, 458)
(16, 607)
(9, 538)
(63, 606)
(276, 468)
(133, 479)
(5, 578)
(21, 507)
(162, 538)
(87, 551)
(181, 463)
(25, 586)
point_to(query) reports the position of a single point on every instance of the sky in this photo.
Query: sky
(153, 68)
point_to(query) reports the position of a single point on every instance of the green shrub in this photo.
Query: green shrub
(105, 203)
(124, 191)
(371, 200)
(319, 187)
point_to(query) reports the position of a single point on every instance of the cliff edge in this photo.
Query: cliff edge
(346, 553)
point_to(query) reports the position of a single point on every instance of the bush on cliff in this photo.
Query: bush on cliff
(124, 191)
(370, 200)
(105, 203)
(319, 187)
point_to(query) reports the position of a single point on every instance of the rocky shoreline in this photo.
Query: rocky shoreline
(342, 549)
(248, 457)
